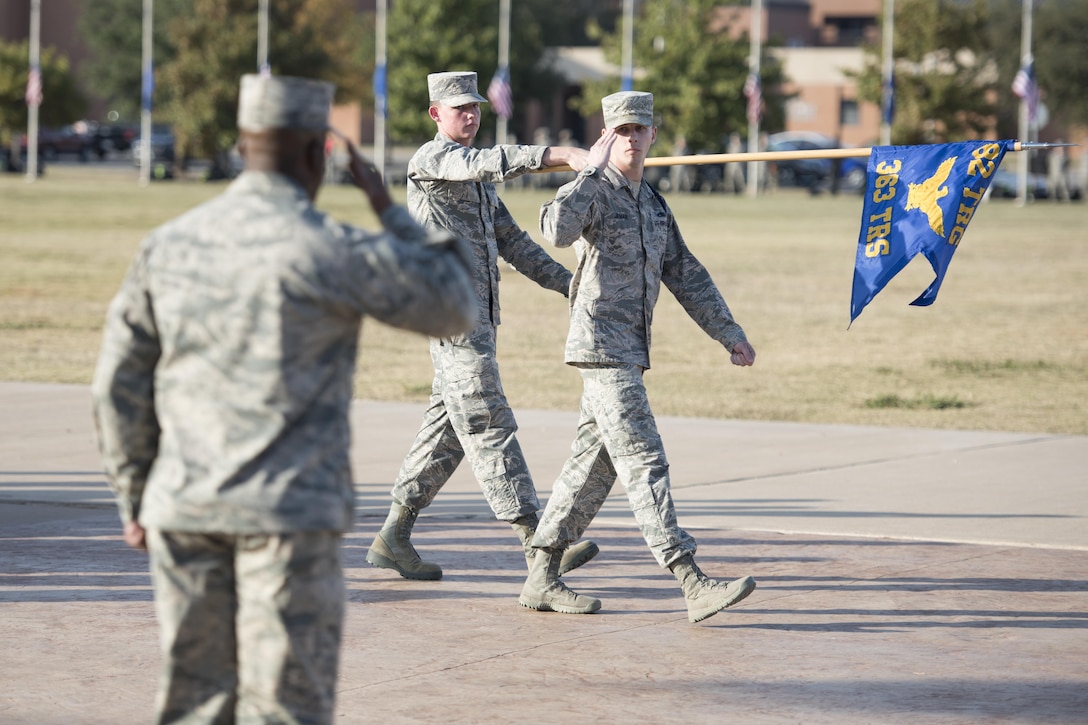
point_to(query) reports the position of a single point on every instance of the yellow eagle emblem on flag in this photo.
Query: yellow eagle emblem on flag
(924, 196)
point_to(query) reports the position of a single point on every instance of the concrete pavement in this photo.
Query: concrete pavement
(904, 575)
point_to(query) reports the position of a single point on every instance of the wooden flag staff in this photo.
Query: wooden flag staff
(701, 159)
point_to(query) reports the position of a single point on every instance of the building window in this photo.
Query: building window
(848, 31)
(797, 111)
(848, 113)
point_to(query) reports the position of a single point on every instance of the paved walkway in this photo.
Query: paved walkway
(904, 575)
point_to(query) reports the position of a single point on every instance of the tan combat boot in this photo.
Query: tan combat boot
(392, 548)
(545, 592)
(706, 597)
(574, 557)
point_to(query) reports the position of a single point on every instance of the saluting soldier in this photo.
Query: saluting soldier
(451, 186)
(221, 400)
(627, 243)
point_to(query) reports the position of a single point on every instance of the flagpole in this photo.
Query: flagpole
(1024, 125)
(504, 61)
(888, 74)
(32, 108)
(380, 88)
(146, 90)
(756, 40)
(262, 38)
(627, 71)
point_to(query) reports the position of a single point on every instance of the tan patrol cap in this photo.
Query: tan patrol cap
(454, 88)
(628, 107)
(270, 102)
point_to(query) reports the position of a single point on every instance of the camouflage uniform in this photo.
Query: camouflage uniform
(452, 187)
(627, 243)
(221, 399)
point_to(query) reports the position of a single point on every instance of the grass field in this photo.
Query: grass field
(1005, 347)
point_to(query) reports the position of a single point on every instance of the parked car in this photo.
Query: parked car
(112, 137)
(163, 145)
(71, 140)
(18, 165)
(815, 173)
(1005, 184)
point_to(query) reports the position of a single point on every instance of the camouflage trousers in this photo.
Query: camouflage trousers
(468, 416)
(617, 436)
(250, 625)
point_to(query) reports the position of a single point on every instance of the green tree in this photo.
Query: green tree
(1061, 63)
(113, 30)
(574, 22)
(944, 80)
(216, 44)
(62, 102)
(1059, 29)
(695, 71)
(202, 48)
(427, 36)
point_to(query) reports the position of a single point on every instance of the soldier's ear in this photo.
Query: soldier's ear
(315, 152)
(314, 161)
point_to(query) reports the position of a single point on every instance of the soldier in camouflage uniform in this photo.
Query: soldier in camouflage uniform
(221, 401)
(451, 187)
(627, 243)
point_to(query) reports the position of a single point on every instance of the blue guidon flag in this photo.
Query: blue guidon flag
(919, 199)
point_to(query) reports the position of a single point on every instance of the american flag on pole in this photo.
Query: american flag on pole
(499, 93)
(1025, 87)
(34, 87)
(754, 93)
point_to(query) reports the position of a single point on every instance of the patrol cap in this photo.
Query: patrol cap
(454, 88)
(269, 102)
(628, 107)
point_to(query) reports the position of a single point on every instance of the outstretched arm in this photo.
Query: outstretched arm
(445, 160)
(571, 156)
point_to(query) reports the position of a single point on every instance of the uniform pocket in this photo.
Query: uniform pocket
(466, 405)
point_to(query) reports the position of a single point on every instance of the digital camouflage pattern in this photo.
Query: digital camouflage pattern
(223, 386)
(251, 625)
(617, 436)
(627, 243)
(221, 399)
(468, 415)
(454, 88)
(628, 107)
(452, 187)
(268, 102)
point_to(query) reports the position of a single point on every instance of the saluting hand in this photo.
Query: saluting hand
(601, 152)
(365, 176)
